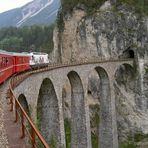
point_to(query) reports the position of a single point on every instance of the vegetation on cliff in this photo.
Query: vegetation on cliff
(141, 6)
(67, 8)
(91, 6)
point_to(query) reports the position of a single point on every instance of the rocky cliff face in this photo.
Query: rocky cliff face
(107, 34)
(112, 33)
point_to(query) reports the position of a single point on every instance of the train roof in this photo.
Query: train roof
(19, 54)
(13, 53)
(3, 51)
(22, 54)
(38, 53)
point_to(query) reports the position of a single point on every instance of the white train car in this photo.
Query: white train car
(38, 59)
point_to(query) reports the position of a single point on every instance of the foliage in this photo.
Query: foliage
(127, 145)
(53, 142)
(90, 5)
(60, 21)
(68, 6)
(139, 137)
(141, 6)
(146, 70)
(132, 140)
(13, 42)
(67, 127)
(94, 122)
(95, 117)
(33, 38)
(39, 113)
(94, 140)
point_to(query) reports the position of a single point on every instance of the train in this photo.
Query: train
(12, 62)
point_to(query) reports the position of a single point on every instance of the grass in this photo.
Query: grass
(146, 70)
(94, 140)
(141, 6)
(139, 137)
(94, 122)
(95, 117)
(53, 142)
(67, 127)
(127, 145)
(39, 119)
(132, 140)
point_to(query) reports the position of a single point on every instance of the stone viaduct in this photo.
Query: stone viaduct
(42, 92)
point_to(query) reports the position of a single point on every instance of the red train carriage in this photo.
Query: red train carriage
(6, 66)
(11, 63)
(21, 62)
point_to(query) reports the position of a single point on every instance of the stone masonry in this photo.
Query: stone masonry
(47, 87)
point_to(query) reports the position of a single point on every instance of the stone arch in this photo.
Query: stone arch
(78, 121)
(106, 116)
(22, 100)
(47, 112)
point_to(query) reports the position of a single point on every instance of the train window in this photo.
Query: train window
(9, 61)
(19, 60)
(1, 61)
(6, 60)
(32, 58)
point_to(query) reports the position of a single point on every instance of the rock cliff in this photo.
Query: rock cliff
(111, 33)
(107, 34)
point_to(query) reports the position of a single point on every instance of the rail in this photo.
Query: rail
(59, 65)
(22, 117)
(20, 113)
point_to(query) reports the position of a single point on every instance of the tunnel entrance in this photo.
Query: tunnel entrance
(129, 53)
